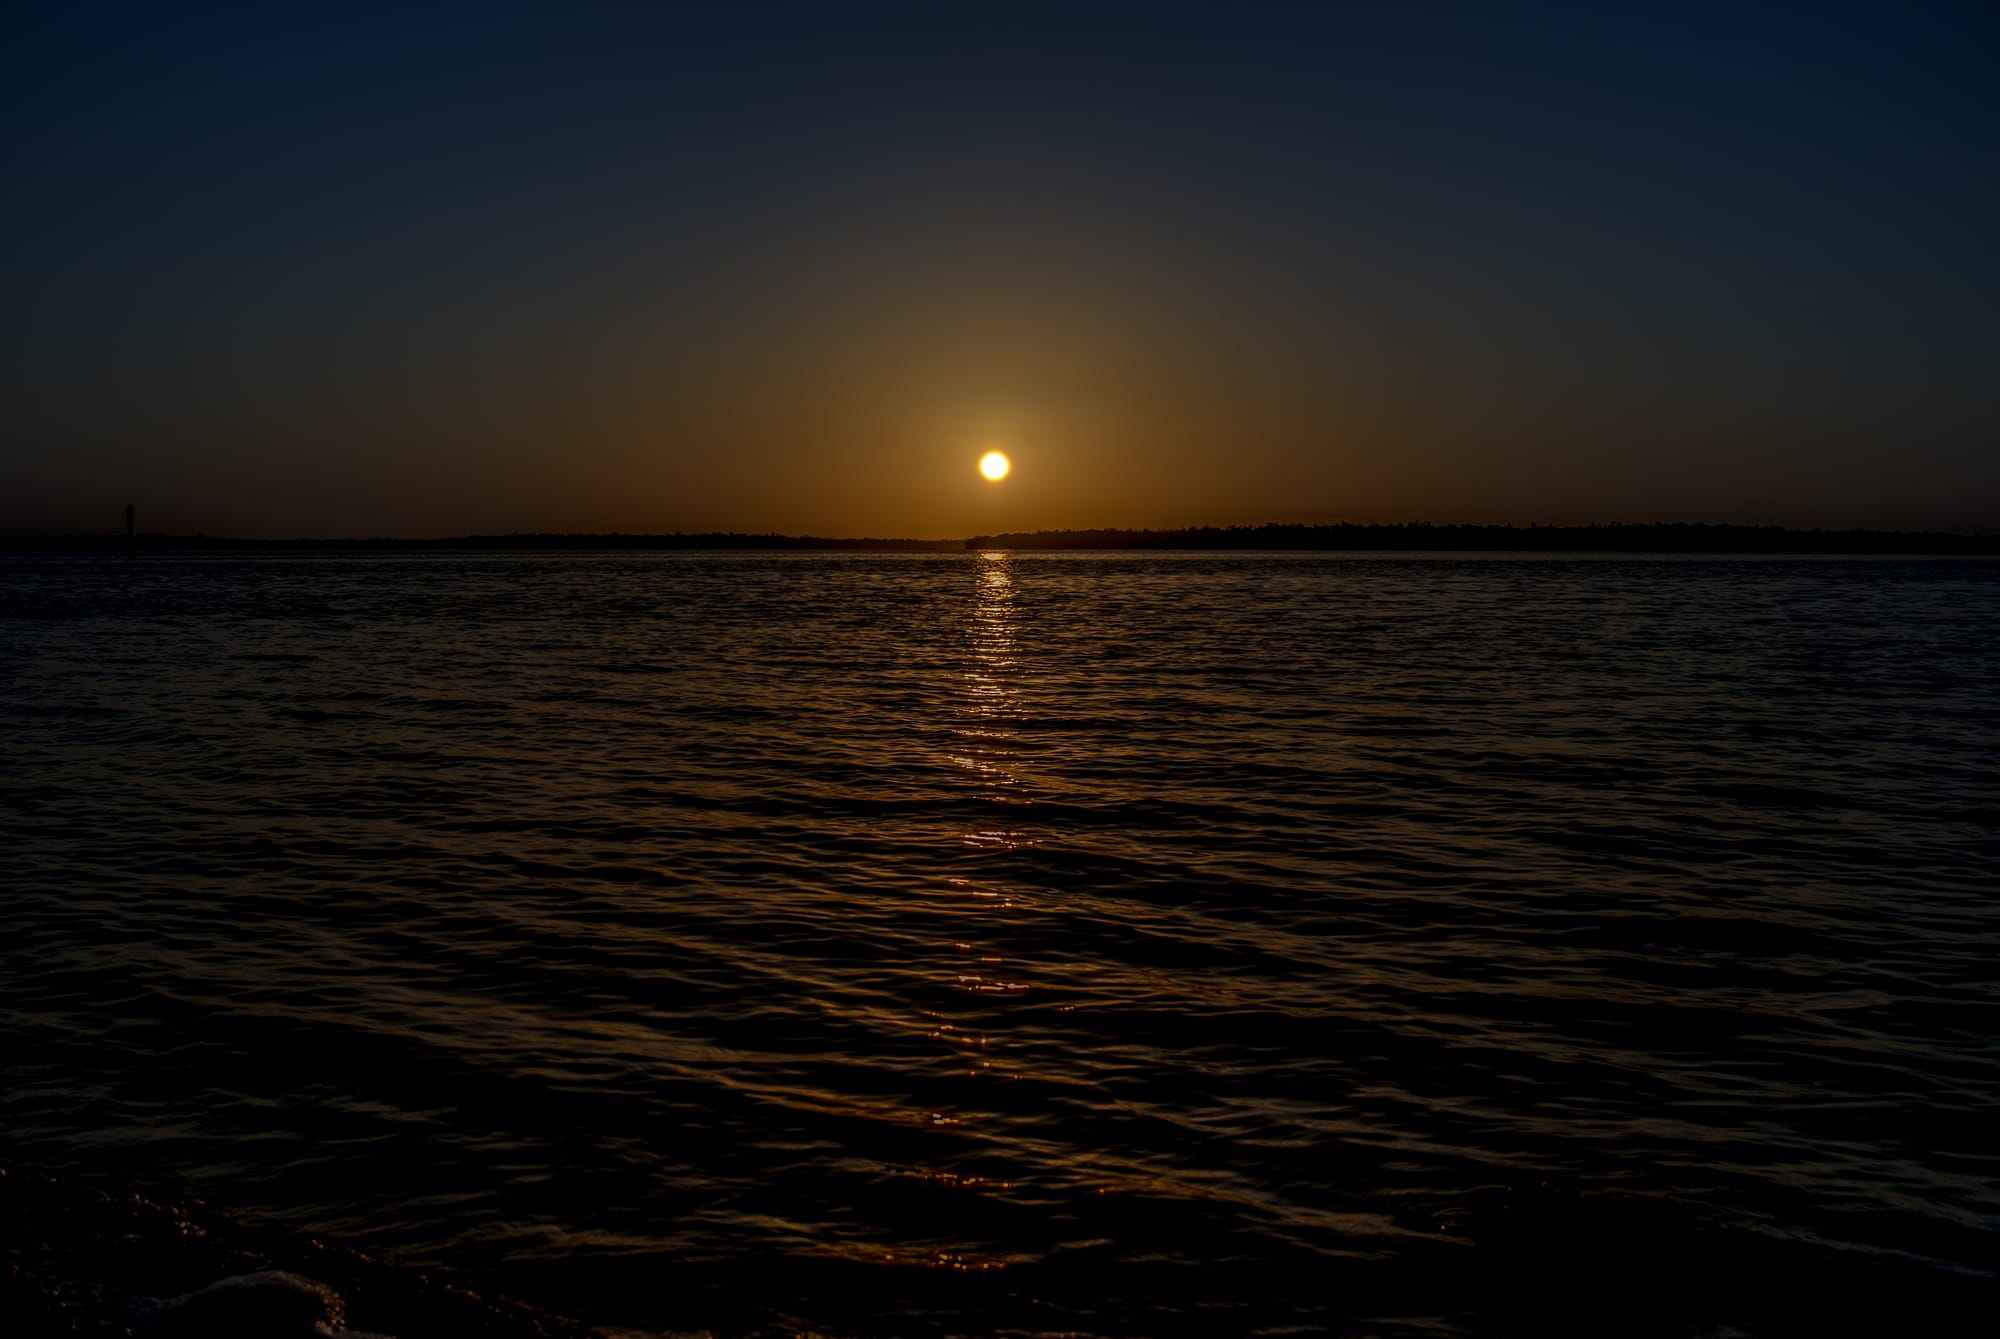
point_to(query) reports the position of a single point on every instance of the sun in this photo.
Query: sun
(994, 466)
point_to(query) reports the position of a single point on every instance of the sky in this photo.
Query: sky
(303, 270)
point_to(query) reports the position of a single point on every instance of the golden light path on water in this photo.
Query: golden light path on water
(992, 651)
(984, 748)
(996, 704)
(987, 736)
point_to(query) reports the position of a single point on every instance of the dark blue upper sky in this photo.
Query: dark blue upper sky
(298, 269)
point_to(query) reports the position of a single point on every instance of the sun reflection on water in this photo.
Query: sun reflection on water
(986, 751)
(990, 704)
(990, 639)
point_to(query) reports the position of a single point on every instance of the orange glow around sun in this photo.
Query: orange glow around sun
(994, 466)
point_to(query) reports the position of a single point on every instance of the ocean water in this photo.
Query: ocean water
(1028, 944)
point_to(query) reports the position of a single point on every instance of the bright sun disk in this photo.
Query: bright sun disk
(993, 465)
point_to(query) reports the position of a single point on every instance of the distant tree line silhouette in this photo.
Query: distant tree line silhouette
(1425, 536)
(1405, 537)
(517, 542)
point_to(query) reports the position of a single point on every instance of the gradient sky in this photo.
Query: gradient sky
(345, 270)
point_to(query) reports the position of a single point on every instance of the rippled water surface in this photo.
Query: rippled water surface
(967, 943)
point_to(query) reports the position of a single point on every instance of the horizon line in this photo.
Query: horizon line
(1683, 536)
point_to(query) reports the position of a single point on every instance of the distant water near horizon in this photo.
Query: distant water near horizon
(1106, 944)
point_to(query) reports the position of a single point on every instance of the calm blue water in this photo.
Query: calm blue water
(973, 943)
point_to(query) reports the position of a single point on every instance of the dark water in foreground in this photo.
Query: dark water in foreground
(961, 944)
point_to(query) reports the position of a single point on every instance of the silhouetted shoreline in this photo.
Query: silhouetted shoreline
(94, 1261)
(1405, 537)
